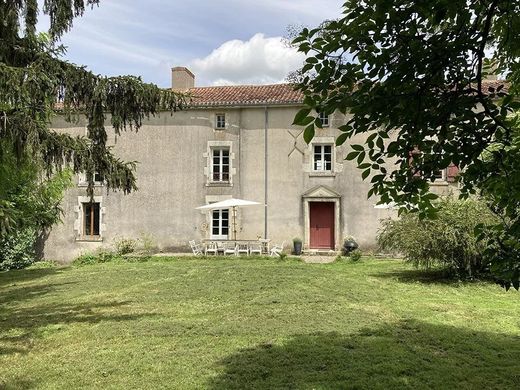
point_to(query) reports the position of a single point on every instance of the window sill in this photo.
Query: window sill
(322, 174)
(96, 184)
(89, 239)
(439, 183)
(219, 184)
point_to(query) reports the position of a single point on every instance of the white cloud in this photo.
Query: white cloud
(260, 60)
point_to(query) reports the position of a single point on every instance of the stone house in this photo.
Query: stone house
(233, 141)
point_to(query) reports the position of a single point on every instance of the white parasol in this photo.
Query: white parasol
(229, 203)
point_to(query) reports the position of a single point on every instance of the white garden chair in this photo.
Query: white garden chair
(277, 250)
(242, 249)
(196, 248)
(255, 247)
(230, 248)
(211, 248)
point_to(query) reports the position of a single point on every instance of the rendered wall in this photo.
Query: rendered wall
(172, 155)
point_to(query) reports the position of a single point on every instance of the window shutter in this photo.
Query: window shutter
(451, 173)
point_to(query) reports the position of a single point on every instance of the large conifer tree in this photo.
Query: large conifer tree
(34, 77)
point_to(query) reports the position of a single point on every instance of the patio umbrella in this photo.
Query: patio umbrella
(229, 203)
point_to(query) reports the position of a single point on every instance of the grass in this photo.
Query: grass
(262, 323)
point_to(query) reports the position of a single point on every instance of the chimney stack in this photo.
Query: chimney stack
(182, 78)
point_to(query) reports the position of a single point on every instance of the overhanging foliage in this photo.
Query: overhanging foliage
(35, 81)
(411, 75)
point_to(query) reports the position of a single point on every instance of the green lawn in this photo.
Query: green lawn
(242, 323)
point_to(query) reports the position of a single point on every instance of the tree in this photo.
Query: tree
(34, 203)
(411, 75)
(35, 81)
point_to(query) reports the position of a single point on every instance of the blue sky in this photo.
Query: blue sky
(221, 41)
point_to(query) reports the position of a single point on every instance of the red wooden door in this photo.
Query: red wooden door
(322, 225)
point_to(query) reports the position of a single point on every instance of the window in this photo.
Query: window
(220, 165)
(99, 179)
(220, 121)
(324, 118)
(91, 219)
(322, 160)
(440, 175)
(220, 224)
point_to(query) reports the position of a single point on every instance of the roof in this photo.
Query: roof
(245, 95)
(253, 95)
(258, 95)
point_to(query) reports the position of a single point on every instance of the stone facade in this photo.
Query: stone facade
(267, 161)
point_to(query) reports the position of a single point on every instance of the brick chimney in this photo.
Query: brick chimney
(182, 78)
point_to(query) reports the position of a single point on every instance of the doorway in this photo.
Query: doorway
(321, 225)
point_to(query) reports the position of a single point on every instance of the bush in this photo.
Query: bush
(85, 259)
(101, 256)
(17, 249)
(148, 244)
(448, 241)
(125, 246)
(355, 255)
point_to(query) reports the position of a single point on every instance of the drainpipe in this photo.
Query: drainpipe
(266, 123)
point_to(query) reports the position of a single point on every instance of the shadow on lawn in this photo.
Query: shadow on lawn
(20, 326)
(427, 277)
(15, 276)
(407, 354)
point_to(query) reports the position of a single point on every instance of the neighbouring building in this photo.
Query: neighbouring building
(233, 141)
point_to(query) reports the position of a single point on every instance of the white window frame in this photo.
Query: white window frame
(220, 121)
(322, 158)
(219, 213)
(444, 174)
(220, 164)
(208, 169)
(82, 180)
(325, 119)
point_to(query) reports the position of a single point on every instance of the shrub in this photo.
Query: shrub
(85, 259)
(148, 245)
(447, 241)
(125, 245)
(355, 255)
(101, 256)
(17, 249)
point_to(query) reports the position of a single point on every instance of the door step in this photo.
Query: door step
(320, 252)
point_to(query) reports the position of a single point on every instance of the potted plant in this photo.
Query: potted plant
(297, 246)
(349, 245)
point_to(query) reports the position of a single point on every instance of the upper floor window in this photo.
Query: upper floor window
(220, 165)
(324, 118)
(220, 121)
(322, 158)
(440, 175)
(99, 179)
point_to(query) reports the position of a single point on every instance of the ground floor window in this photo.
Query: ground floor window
(220, 224)
(91, 219)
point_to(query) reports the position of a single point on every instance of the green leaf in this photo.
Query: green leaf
(351, 155)
(341, 139)
(308, 133)
(365, 174)
(301, 116)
